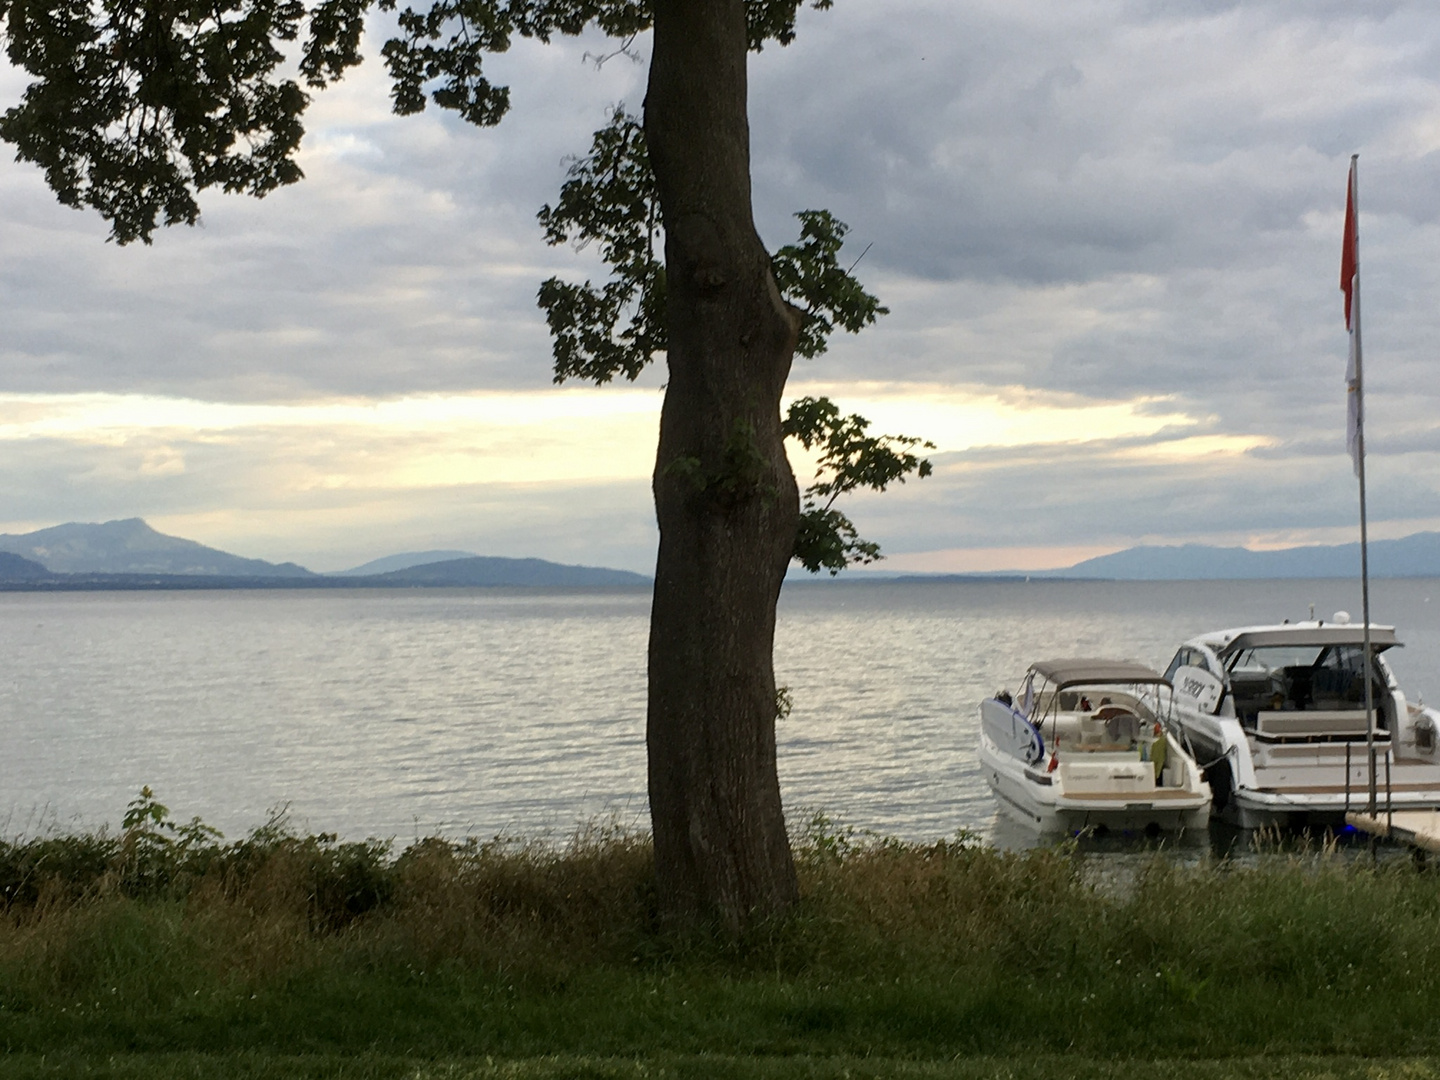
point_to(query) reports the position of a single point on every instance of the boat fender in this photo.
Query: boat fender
(1221, 780)
(1033, 750)
(1054, 762)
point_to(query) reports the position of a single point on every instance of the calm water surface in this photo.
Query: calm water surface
(379, 713)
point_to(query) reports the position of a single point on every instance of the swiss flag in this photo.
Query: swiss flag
(1350, 256)
(1349, 275)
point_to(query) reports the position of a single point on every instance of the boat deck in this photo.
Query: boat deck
(1356, 791)
(1155, 795)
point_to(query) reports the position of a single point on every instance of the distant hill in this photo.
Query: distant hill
(403, 561)
(163, 582)
(133, 547)
(480, 570)
(1413, 556)
(130, 554)
(18, 568)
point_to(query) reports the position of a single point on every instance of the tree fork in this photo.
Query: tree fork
(725, 498)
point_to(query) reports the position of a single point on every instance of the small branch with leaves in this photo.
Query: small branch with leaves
(616, 328)
(850, 458)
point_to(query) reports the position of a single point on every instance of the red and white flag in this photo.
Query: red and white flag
(1349, 285)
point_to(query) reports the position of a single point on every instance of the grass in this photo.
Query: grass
(244, 1066)
(163, 950)
(364, 1067)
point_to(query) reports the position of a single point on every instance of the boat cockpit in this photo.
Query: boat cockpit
(1283, 689)
(1102, 712)
(1303, 690)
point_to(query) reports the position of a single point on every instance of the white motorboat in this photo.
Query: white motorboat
(1090, 745)
(1276, 715)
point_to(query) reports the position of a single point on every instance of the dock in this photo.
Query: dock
(1418, 828)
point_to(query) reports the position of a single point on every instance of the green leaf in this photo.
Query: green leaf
(441, 52)
(850, 458)
(599, 332)
(137, 106)
(809, 276)
(145, 814)
(608, 199)
(826, 540)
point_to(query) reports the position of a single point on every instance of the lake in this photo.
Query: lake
(481, 711)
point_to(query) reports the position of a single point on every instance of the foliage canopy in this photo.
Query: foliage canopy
(139, 105)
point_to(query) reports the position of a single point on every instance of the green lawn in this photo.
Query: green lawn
(249, 1066)
(164, 953)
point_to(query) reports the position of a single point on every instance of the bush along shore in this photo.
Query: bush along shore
(164, 949)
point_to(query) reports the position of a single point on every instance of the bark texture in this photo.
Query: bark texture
(725, 496)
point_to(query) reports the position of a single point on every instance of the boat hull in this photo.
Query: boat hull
(1030, 796)
(1310, 786)
(1250, 808)
(1282, 734)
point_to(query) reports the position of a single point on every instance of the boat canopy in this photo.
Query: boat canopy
(1087, 671)
(1381, 637)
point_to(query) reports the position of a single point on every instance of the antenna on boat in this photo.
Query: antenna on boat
(1355, 435)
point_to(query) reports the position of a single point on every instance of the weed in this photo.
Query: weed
(177, 940)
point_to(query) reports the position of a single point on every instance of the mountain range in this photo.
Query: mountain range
(130, 554)
(133, 547)
(486, 571)
(1417, 555)
(403, 561)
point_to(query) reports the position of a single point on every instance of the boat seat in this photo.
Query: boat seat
(1122, 726)
(1073, 729)
(1090, 733)
(1298, 722)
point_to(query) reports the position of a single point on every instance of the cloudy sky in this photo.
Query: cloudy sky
(1108, 233)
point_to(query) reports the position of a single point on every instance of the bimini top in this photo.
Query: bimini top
(1076, 672)
(1302, 633)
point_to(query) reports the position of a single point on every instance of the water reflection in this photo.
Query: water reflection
(522, 711)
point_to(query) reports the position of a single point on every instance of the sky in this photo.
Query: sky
(1108, 233)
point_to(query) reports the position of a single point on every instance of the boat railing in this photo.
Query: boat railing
(1389, 787)
(1270, 738)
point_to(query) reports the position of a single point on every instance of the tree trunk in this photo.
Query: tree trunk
(725, 496)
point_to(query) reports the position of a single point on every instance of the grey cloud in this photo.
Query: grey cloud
(1112, 199)
(1046, 144)
(231, 501)
(1172, 158)
(1029, 146)
(407, 260)
(1098, 493)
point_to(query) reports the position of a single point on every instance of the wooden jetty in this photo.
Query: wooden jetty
(1418, 828)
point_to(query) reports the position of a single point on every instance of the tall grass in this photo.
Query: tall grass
(165, 937)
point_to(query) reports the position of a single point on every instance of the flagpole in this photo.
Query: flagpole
(1359, 391)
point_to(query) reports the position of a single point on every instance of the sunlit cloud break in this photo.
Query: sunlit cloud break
(351, 478)
(533, 436)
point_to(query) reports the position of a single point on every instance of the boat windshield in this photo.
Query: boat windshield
(1286, 677)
